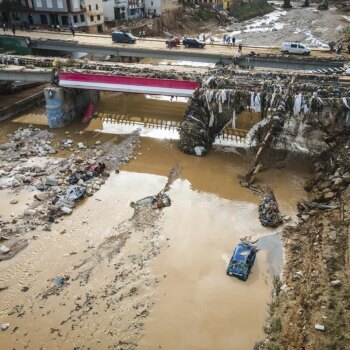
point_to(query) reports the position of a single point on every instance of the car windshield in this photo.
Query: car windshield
(301, 46)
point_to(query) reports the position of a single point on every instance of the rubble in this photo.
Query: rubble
(62, 182)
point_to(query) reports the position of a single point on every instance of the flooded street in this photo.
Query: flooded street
(163, 285)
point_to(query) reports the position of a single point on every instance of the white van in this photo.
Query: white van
(295, 47)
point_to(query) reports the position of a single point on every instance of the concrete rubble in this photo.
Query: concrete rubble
(58, 184)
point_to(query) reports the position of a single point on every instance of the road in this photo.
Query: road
(157, 44)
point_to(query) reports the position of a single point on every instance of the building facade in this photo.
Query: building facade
(158, 7)
(123, 9)
(63, 13)
(115, 9)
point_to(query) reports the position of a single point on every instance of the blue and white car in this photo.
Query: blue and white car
(242, 260)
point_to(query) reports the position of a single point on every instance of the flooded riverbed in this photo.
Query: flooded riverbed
(189, 300)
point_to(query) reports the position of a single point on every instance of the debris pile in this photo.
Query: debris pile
(269, 214)
(314, 292)
(301, 106)
(57, 184)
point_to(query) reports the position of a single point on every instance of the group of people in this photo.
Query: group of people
(337, 48)
(6, 27)
(142, 34)
(229, 40)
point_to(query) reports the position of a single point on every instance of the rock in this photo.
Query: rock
(337, 181)
(51, 182)
(346, 177)
(30, 212)
(81, 145)
(319, 327)
(66, 210)
(4, 326)
(329, 195)
(284, 288)
(332, 235)
(336, 283)
(3, 286)
(15, 183)
(14, 201)
(4, 249)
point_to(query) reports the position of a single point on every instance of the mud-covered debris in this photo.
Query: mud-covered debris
(156, 202)
(269, 214)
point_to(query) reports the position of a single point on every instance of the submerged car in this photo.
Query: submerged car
(189, 42)
(242, 260)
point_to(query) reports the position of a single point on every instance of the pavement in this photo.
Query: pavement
(157, 43)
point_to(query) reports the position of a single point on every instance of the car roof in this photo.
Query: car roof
(242, 250)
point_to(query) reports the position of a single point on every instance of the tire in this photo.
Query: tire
(286, 52)
(202, 46)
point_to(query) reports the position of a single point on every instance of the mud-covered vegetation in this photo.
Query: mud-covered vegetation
(248, 10)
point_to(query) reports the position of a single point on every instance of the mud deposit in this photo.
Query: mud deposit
(108, 278)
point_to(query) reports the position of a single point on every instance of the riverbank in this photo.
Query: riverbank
(311, 304)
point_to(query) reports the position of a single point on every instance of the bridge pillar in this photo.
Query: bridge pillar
(64, 105)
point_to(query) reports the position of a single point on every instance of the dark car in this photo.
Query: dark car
(123, 37)
(189, 42)
(242, 260)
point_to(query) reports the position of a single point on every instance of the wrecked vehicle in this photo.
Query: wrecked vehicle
(242, 260)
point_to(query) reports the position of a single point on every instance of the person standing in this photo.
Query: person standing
(144, 34)
(4, 27)
(240, 48)
(14, 29)
(233, 41)
(72, 30)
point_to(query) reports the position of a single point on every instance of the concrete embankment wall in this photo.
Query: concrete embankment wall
(22, 106)
(11, 43)
(65, 105)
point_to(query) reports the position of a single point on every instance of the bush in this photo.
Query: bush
(251, 9)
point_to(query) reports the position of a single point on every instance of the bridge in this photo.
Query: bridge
(155, 49)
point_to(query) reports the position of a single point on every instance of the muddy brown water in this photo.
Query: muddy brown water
(196, 306)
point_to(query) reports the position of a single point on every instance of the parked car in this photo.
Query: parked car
(189, 42)
(123, 37)
(295, 47)
(242, 260)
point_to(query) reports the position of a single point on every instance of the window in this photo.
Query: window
(151, 3)
(91, 18)
(96, 6)
(60, 4)
(39, 3)
(98, 17)
(76, 4)
(49, 3)
(75, 19)
(293, 45)
(89, 7)
(82, 18)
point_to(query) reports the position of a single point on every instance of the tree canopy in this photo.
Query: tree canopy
(8, 6)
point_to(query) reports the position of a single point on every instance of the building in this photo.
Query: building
(63, 13)
(123, 9)
(94, 16)
(158, 7)
(115, 9)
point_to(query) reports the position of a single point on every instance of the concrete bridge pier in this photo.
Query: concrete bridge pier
(64, 105)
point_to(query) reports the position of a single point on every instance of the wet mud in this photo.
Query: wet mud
(156, 279)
